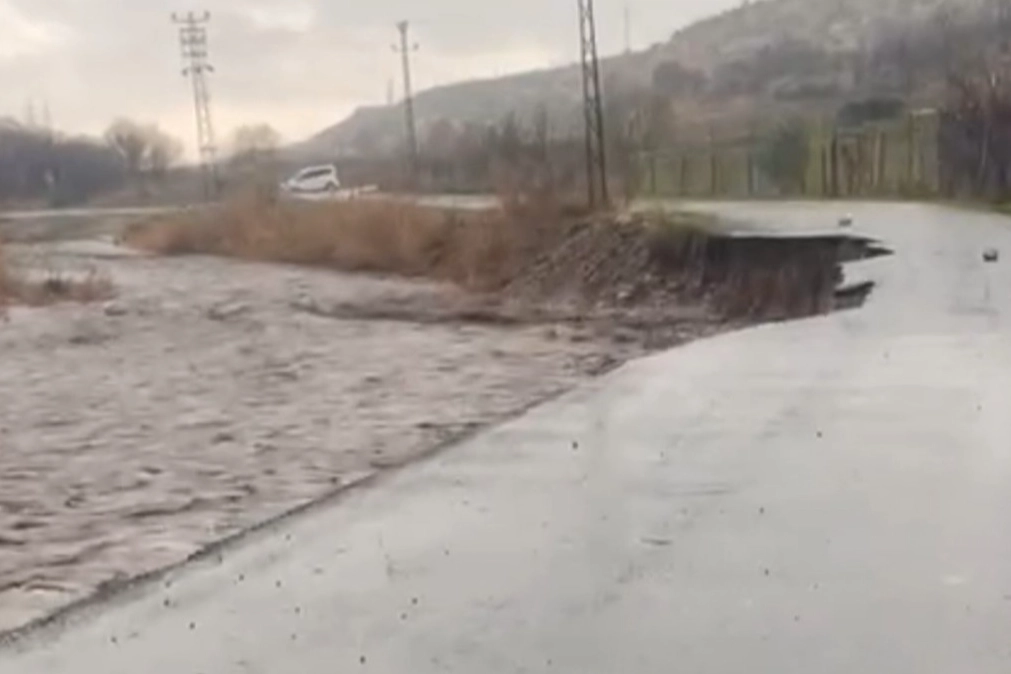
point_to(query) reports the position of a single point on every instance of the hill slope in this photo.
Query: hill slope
(807, 39)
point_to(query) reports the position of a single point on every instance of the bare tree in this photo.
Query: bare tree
(164, 151)
(784, 156)
(542, 131)
(255, 144)
(61, 170)
(976, 131)
(254, 157)
(659, 129)
(145, 150)
(131, 141)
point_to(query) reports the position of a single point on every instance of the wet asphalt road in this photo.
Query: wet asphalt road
(829, 495)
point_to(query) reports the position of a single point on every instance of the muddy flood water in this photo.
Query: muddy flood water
(210, 395)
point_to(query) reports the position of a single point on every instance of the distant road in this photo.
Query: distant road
(57, 213)
(463, 202)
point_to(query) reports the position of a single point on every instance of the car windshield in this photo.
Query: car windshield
(581, 336)
(314, 173)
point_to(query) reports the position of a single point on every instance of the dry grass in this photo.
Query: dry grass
(50, 287)
(479, 250)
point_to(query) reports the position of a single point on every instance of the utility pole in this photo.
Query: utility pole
(193, 43)
(405, 50)
(628, 29)
(30, 119)
(593, 108)
(47, 118)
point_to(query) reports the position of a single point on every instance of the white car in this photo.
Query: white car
(313, 179)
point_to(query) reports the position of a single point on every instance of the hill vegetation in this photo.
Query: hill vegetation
(765, 59)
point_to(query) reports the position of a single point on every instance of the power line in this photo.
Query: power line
(593, 108)
(405, 50)
(193, 43)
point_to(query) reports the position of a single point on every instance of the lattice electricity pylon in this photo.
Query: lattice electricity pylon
(593, 106)
(404, 49)
(193, 42)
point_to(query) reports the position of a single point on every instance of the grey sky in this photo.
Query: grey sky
(296, 64)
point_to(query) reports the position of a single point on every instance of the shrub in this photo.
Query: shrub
(783, 157)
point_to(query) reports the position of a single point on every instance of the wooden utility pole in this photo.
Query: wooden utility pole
(628, 29)
(593, 109)
(404, 49)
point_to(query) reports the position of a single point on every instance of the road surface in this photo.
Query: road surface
(829, 495)
(88, 212)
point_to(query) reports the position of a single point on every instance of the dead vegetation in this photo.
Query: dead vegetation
(50, 287)
(479, 250)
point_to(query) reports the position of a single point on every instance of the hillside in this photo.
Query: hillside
(766, 50)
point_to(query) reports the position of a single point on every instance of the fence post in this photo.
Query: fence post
(882, 154)
(820, 144)
(833, 163)
(712, 164)
(751, 143)
(682, 174)
(652, 172)
(750, 167)
(938, 153)
(911, 178)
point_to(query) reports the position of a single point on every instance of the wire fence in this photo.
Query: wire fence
(897, 158)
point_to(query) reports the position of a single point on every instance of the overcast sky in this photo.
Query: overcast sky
(299, 65)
